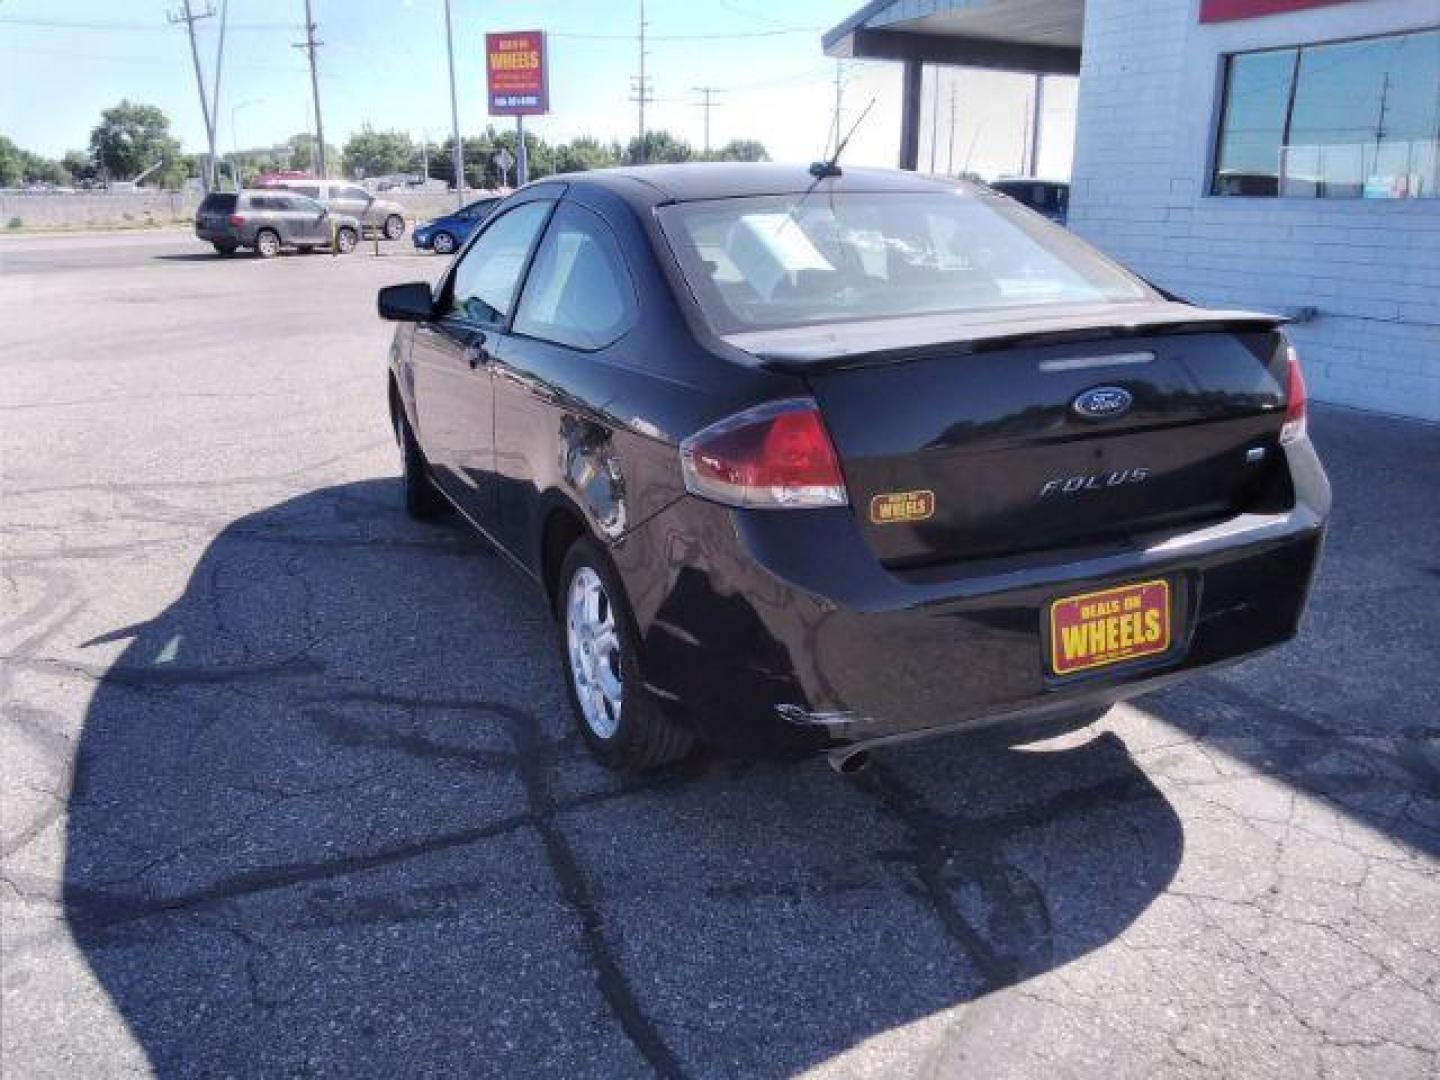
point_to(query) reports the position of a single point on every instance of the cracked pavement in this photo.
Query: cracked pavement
(290, 788)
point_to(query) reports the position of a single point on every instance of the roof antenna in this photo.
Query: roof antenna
(823, 169)
(831, 167)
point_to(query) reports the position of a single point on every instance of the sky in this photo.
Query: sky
(383, 63)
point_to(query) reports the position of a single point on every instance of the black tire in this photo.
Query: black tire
(643, 737)
(225, 250)
(267, 243)
(443, 243)
(346, 240)
(421, 499)
(394, 227)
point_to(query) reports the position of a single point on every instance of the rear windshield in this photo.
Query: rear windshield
(219, 203)
(787, 260)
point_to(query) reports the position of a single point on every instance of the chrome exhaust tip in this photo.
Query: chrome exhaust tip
(848, 762)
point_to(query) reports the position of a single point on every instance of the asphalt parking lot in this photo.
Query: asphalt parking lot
(290, 788)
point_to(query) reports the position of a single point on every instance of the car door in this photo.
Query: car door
(354, 201)
(304, 220)
(450, 358)
(578, 304)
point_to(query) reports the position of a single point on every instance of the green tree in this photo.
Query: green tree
(79, 165)
(300, 153)
(741, 150)
(377, 153)
(130, 138)
(584, 153)
(660, 146)
(12, 163)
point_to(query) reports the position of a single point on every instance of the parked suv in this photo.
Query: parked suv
(270, 220)
(375, 214)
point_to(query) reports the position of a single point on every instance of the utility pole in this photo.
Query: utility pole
(459, 154)
(839, 105)
(640, 85)
(707, 92)
(189, 18)
(1025, 137)
(215, 90)
(934, 115)
(950, 160)
(309, 45)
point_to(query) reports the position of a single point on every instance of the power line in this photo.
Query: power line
(309, 45)
(94, 24)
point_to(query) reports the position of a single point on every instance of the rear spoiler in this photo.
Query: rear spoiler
(841, 346)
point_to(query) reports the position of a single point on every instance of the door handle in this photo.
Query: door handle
(476, 353)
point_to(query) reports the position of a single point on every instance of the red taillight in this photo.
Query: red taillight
(776, 455)
(236, 219)
(1294, 426)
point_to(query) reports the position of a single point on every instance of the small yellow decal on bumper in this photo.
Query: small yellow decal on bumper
(898, 506)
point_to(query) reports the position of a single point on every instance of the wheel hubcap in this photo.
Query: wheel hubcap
(593, 645)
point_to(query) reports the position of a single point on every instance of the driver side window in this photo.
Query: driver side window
(484, 283)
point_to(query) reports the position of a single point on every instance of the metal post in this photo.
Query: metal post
(910, 116)
(455, 114)
(1036, 115)
(934, 113)
(522, 156)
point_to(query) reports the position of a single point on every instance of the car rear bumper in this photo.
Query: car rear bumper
(779, 633)
(218, 234)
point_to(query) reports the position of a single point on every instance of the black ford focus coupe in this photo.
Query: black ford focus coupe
(812, 462)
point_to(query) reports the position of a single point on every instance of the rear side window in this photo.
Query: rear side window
(785, 260)
(353, 193)
(579, 292)
(310, 191)
(219, 203)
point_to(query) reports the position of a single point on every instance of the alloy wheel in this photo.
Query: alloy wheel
(593, 647)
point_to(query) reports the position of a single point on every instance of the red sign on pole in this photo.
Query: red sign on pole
(515, 73)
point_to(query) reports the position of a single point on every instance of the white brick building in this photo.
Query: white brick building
(1271, 154)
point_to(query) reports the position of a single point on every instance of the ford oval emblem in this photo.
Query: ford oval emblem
(1103, 402)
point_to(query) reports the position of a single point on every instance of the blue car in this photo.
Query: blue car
(444, 234)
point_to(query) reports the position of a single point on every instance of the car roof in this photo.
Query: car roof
(693, 181)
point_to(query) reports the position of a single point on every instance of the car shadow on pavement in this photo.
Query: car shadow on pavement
(329, 818)
(1349, 712)
(201, 256)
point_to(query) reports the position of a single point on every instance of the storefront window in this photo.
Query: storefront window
(1355, 119)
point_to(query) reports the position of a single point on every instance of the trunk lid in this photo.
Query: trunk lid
(965, 438)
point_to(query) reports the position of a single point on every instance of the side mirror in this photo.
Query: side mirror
(411, 302)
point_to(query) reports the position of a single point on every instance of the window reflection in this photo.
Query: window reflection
(1356, 119)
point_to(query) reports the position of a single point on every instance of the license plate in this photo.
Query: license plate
(1109, 626)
